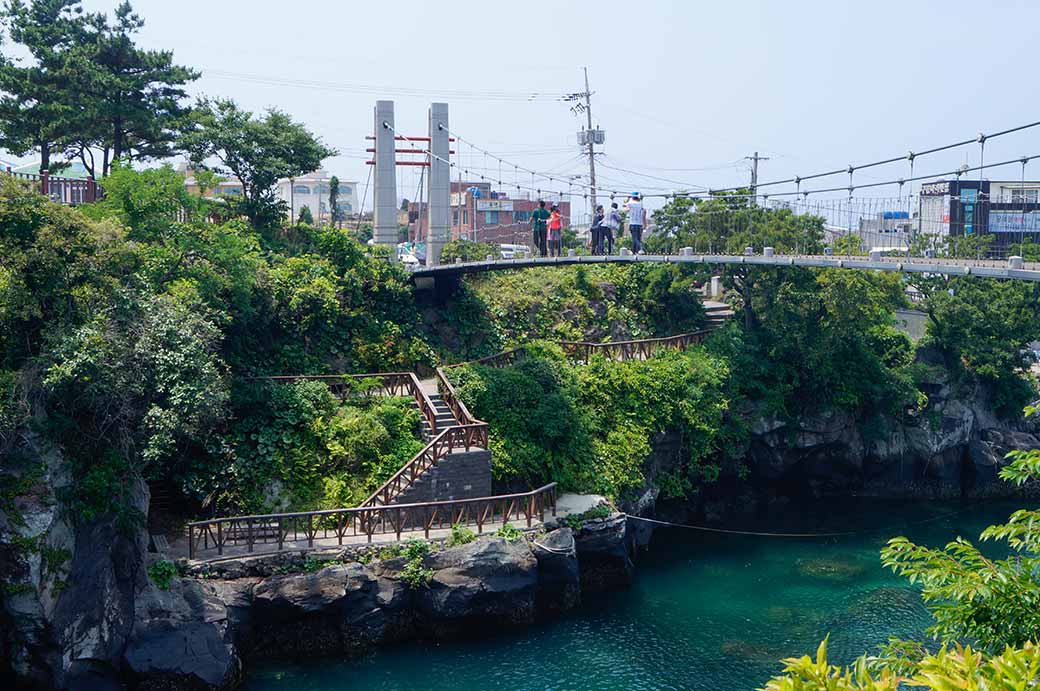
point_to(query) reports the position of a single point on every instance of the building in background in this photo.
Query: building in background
(1007, 210)
(228, 187)
(312, 190)
(482, 214)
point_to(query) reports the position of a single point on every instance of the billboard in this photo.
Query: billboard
(1014, 221)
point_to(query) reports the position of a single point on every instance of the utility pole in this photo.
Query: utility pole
(592, 153)
(754, 175)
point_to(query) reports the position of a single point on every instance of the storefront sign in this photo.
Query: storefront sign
(494, 205)
(935, 189)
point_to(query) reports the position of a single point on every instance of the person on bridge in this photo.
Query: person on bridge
(555, 232)
(596, 231)
(636, 221)
(611, 222)
(538, 220)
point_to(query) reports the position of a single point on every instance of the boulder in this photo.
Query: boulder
(181, 639)
(559, 578)
(487, 583)
(604, 553)
(315, 613)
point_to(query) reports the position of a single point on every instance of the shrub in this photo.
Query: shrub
(509, 532)
(460, 535)
(162, 572)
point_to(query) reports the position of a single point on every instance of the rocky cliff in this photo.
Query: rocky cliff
(122, 631)
(952, 449)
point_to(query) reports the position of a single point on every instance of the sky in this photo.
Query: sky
(684, 90)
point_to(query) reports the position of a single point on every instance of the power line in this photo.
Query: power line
(909, 156)
(372, 89)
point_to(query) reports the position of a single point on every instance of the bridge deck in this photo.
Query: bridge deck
(987, 268)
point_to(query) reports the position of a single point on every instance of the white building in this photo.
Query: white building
(312, 190)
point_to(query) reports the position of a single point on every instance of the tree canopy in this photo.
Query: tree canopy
(87, 87)
(257, 151)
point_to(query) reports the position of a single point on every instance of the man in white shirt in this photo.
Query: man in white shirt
(636, 221)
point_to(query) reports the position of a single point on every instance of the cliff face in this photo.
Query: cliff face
(953, 449)
(122, 632)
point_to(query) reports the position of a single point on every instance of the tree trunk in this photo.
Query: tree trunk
(45, 156)
(117, 139)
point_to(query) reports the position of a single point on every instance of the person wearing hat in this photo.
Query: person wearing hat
(636, 221)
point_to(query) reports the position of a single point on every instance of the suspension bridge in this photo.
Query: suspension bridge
(920, 227)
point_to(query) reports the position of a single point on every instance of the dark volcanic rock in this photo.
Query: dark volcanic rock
(181, 639)
(337, 609)
(559, 578)
(604, 553)
(485, 583)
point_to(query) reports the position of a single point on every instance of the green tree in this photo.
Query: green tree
(256, 151)
(972, 246)
(37, 110)
(305, 216)
(129, 99)
(147, 201)
(729, 224)
(983, 328)
(337, 214)
(848, 245)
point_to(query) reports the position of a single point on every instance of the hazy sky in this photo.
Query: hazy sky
(684, 90)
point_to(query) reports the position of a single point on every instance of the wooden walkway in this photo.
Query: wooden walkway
(379, 519)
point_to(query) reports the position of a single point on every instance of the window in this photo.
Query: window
(345, 206)
(301, 189)
(521, 216)
(344, 191)
(455, 217)
(465, 217)
(1022, 195)
(491, 218)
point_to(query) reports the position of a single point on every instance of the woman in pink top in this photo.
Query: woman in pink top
(555, 232)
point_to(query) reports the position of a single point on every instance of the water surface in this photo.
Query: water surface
(706, 612)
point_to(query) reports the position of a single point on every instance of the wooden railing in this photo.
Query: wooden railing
(629, 350)
(448, 441)
(69, 191)
(304, 530)
(454, 402)
(583, 350)
(389, 384)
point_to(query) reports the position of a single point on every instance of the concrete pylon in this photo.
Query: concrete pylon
(439, 198)
(385, 175)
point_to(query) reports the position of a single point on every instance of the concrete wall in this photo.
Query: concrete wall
(912, 323)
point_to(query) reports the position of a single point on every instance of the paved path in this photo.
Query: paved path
(566, 504)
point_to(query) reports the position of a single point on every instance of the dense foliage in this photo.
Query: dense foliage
(726, 225)
(589, 427)
(820, 339)
(597, 303)
(128, 334)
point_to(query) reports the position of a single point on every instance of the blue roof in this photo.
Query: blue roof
(75, 171)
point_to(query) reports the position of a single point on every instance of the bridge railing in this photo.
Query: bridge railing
(388, 383)
(303, 530)
(71, 191)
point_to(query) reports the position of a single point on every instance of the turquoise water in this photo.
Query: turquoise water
(706, 612)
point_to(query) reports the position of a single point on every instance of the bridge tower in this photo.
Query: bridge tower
(439, 189)
(384, 230)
